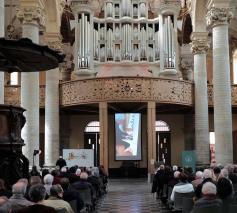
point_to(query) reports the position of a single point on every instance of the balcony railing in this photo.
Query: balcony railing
(120, 89)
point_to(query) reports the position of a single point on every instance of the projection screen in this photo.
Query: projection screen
(128, 136)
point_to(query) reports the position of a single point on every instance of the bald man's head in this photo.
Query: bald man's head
(19, 188)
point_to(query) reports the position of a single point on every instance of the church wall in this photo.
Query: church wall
(176, 123)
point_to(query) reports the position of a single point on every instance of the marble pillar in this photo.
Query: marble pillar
(52, 117)
(2, 32)
(218, 19)
(151, 135)
(202, 145)
(104, 149)
(31, 18)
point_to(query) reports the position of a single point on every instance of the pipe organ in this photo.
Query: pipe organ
(125, 32)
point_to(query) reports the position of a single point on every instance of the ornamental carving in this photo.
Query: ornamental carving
(126, 89)
(218, 16)
(200, 44)
(29, 15)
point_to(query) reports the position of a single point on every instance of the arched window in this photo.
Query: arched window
(14, 78)
(162, 126)
(235, 67)
(93, 126)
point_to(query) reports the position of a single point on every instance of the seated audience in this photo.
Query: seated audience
(183, 186)
(208, 197)
(55, 199)
(3, 189)
(207, 177)
(224, 188)
(70, 194)
(5, 206)
(56, 175)
(198, 179)
(48, 182)
(217, 172)
(82, 183)
(37, 194)
(18, 200)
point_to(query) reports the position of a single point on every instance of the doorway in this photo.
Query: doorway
(92, 140)
(163, 142)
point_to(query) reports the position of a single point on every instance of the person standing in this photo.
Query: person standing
(61, 162)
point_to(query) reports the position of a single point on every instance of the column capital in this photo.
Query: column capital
(200, 44)
(31, 15)
(167, 7)
(219, 16)
(54, 41)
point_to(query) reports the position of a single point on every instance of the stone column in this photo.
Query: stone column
(199, 49)
(103, 114)
(31, 18)
(218, 19)
(52, 107)
(2, 32)
(151, 135)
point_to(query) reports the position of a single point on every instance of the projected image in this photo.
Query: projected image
(128, 136)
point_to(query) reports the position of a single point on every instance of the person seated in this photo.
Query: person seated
(37, 195)
(56, 175)
(82, 183)
(3, 189)
(18, 200)
(198, 179)
(207, 177)
(217, 172)
(48, 182)
(55, 199)
(224, 188)
(5, 206)
(183, 186)
(70, 194)
(34, 180)
(208, 198)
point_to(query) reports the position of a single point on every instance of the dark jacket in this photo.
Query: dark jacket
(37, 208)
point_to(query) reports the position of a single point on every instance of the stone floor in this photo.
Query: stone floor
(129, 196)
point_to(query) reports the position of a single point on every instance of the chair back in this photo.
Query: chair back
(208, 209)
(178, 199)
(61, 210)
(85, 195)
(73, 204)
(232, 209)
(187, 205)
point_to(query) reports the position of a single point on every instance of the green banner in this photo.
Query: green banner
(189, 159)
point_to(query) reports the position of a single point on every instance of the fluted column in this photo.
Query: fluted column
(103, 114)
(2, 14)
(151, 135)
(31, 18)
(218, 19)
(199, 49)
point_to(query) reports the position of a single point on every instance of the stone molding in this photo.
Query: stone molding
(31, 15)
(219, 16)
(200, 44)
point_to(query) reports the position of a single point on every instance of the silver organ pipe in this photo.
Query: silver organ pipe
(83, 39)
(142, 10)
(109, 9)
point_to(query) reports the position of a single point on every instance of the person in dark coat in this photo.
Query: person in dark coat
(61, 162)
(70, 194)
(159, 181)
(208, 198)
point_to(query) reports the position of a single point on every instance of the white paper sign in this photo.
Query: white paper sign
(79, 157)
